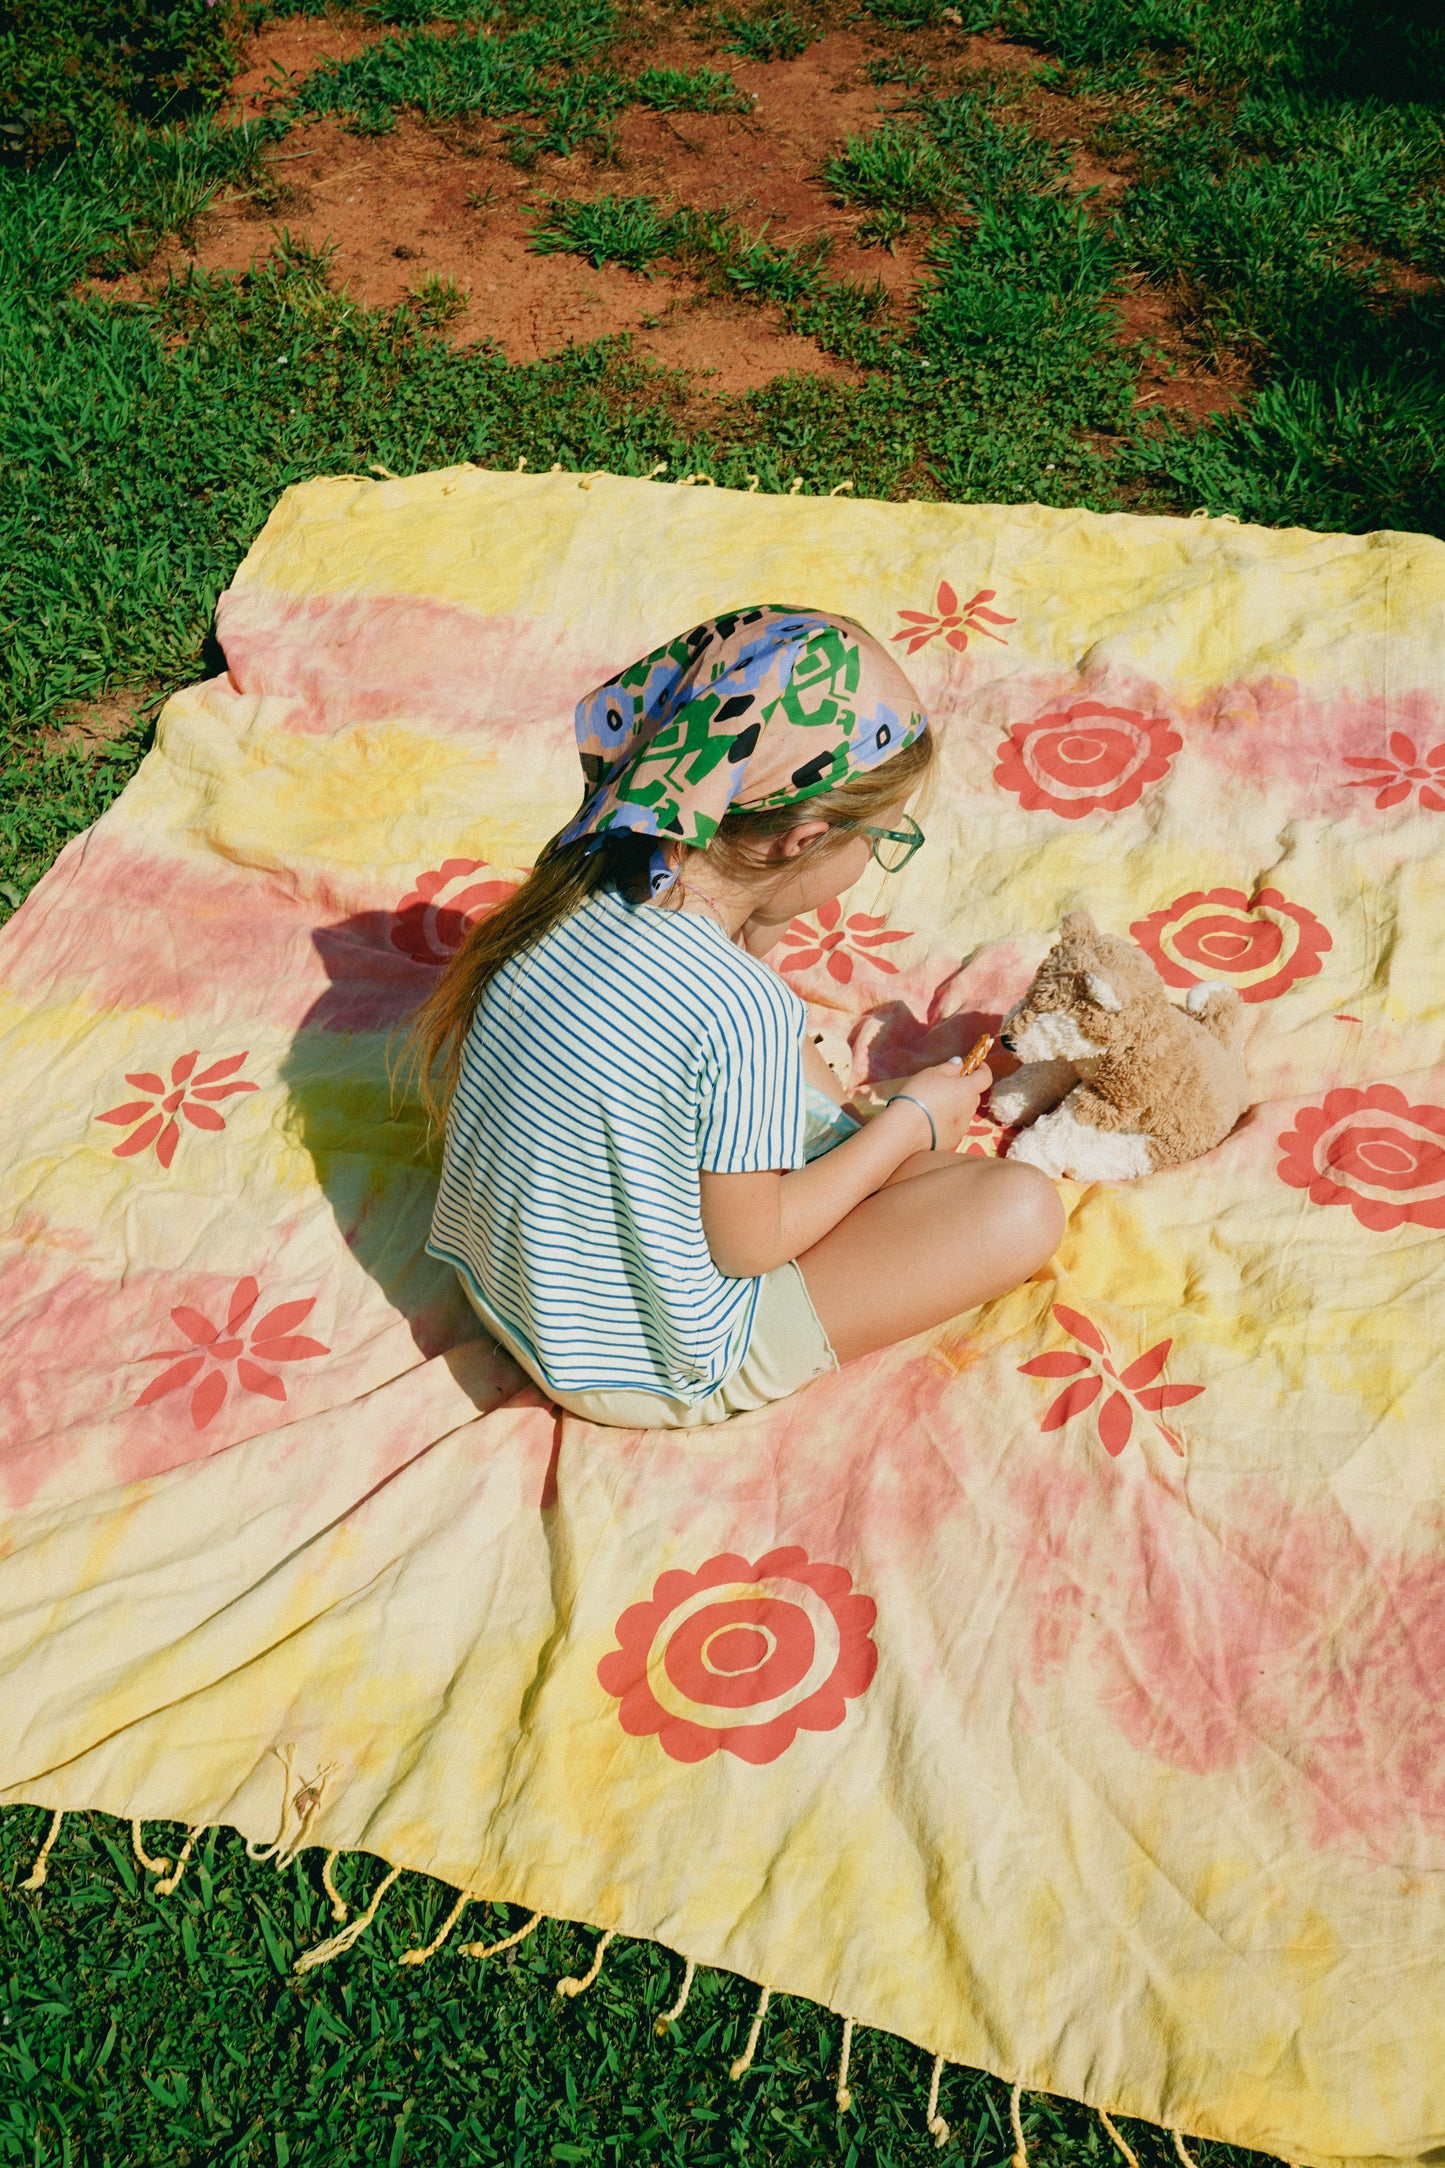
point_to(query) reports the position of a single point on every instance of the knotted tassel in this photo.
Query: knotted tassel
(419, 1957)
(170, 1884)
(744, 2063)
(36, 1877)
(508, 1942)
(841, 2094)
(137, 1845)
(936, 2127)
(334, 1945)
(1120, 2140)
(580, 1986)
(670, 2017)
(1021, 2151)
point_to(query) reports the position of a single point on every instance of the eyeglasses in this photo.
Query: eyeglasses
(893, 847)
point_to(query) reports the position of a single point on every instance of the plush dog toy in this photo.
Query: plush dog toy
(1117, 1082)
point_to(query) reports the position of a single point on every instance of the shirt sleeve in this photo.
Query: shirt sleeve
(750, 1108)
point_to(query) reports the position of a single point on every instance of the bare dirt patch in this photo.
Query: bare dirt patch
(98, 722)
(1173, 379)
(282, 54)
(422, 202)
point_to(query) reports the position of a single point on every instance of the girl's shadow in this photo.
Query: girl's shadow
(355, 1115)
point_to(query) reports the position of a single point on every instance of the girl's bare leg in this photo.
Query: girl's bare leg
(944, 1235)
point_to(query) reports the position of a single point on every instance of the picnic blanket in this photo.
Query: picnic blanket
(1061, 1690)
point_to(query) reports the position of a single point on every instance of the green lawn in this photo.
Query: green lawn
(171, 2030)
(1286, 194)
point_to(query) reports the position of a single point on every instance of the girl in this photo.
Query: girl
(631, 1193)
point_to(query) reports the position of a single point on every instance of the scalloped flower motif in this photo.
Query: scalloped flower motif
(1374, 1152)
(191, 1096)
(1396, 776)
(739, 1657)
(952, 620)
(206, 1359)
(434, 918)
(1128, 1392)
(838, 942)
(1260, 945)
(1085, 758)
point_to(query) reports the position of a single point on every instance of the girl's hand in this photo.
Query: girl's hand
(950, 1098)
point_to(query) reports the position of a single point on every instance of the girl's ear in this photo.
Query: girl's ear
(795, 841)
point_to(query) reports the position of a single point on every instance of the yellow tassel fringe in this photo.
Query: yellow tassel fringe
(744, 2063)
(334, 1945)
(841, 2093)
(508, 1942)
(580, 1986)
(937, 2129)
(1120, 2140)
(419, 1957)
(670, 2017)
(36, 1877)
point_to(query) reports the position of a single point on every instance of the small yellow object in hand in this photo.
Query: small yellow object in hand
(976, 1053)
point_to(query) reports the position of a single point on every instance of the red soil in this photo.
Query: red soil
(445, 202)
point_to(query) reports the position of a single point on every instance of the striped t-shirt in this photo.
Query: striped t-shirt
(630, 1048)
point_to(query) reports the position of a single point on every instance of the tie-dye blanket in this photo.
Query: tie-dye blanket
(1061, 1691)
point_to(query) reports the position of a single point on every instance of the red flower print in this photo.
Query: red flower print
(1395, 778)
(186, 1094)
(1259, 945)
(954, 621)
(1372, 1151)
(434, 919)
(740, 1658)
(831, 939)
(1085, 758)
(1131, 1391)
(211, 1348)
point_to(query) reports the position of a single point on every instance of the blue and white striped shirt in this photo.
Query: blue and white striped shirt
(629, 1049)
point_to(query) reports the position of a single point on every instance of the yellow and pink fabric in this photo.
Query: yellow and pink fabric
(1061, 1691)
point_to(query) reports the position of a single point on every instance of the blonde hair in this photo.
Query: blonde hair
(566, 874)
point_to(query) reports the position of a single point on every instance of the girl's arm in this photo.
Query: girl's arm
(755, 1222)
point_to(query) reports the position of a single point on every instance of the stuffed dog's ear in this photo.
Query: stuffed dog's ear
(1101, 993)
(1077, 928)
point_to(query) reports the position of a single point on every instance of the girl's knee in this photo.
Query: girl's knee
(1036, 1210)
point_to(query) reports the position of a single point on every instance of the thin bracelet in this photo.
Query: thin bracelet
(922, 1110)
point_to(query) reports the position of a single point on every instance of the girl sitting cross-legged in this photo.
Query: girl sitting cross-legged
(649, 1190)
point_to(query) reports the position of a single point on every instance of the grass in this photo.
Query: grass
(139, 2030)
(766, 37)
(1283, 189)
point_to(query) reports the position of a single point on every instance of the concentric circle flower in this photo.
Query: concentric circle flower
(1260, 945)
(1085, 758)
(739, 1658)
(435, 917)
(1372, 1151)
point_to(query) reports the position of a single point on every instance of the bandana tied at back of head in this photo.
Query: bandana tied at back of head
(761, 707)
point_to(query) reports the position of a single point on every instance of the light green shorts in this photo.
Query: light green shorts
(788, 1349)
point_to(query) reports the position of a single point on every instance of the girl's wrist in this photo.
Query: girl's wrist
(908, 1104)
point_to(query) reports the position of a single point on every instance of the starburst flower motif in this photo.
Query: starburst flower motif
(212, 1349)
(1401, 774)
(1131, 1391)
(838, 941)
(186, 1094)
(952, 621)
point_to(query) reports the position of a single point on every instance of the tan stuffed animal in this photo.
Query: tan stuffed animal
(1117, 1082)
